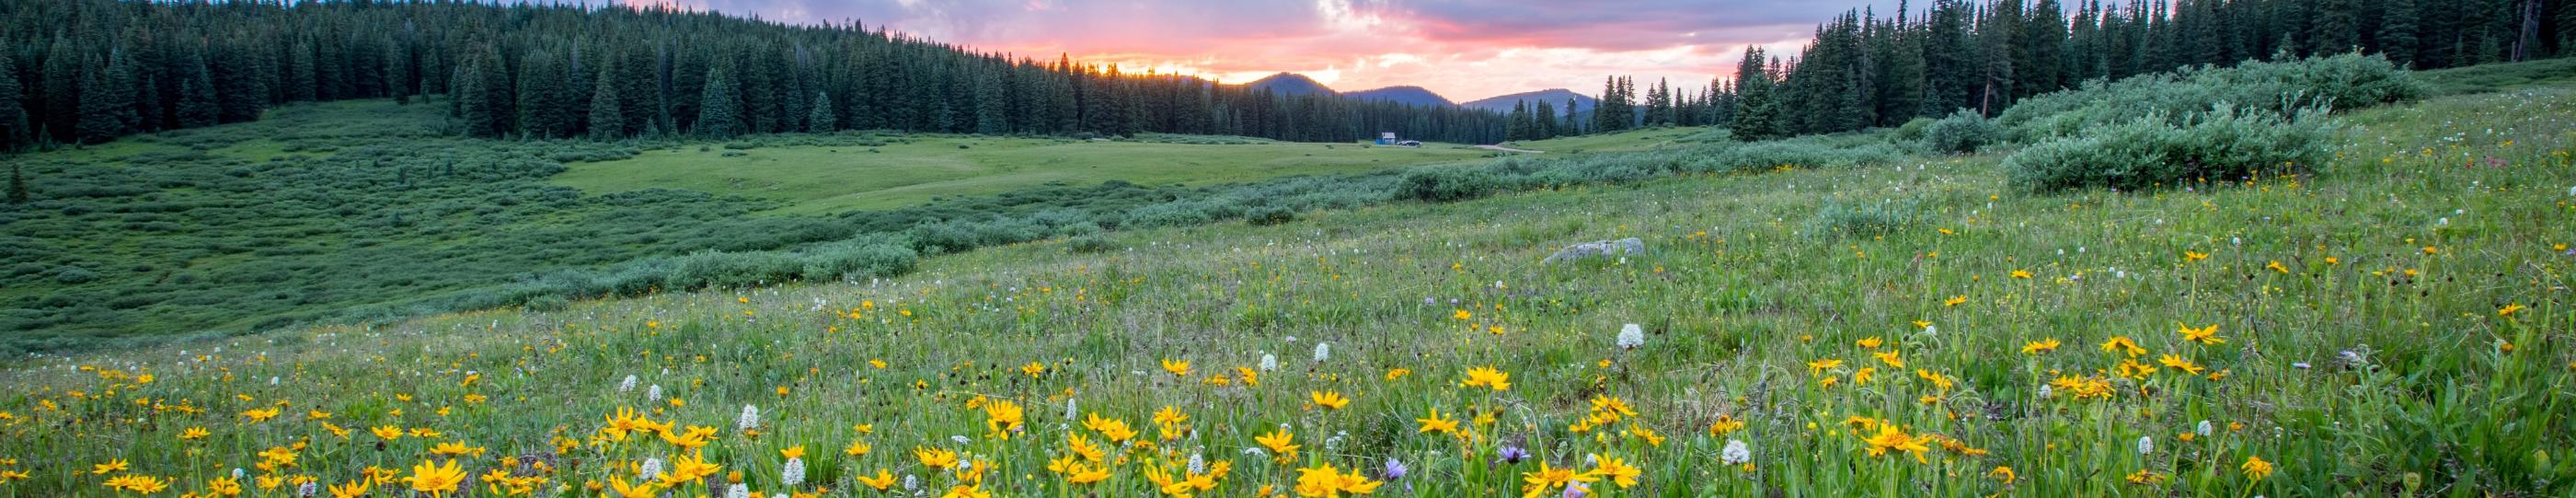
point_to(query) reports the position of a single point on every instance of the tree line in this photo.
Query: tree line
(88, 71)
(1864, 70)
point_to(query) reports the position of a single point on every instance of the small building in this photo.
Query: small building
(1387, 138)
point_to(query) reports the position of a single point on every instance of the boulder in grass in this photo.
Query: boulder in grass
(1597, 249)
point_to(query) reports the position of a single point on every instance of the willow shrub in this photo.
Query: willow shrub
(2155, 152)
(2281, 88)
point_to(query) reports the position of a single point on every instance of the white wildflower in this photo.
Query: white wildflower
(750, 418)
(794, 473)
(2203, 429)
(960, 439)
(1631, 336)
(1735, 453)
(307, 489)
(1323, 351)
(738, 491)
(627, 386)
(911, 483)
(654, 393)
(1198, 464)
(2146, 445)
(651, 466)
(1069, 411)
(1269, 362)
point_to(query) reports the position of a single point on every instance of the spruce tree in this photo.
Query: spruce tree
(13, 115)
(607, 109)
(545, 108)
(2042, 50)
(2397, 28)
(821, 119)
(398, 73)
(1756, 115)
(719, 107)
(300, 68)
(107, 105)
(198, 105)
(1516, 125)
(17, 184)
(1546, 118)
(63, 74)
(2336, 29)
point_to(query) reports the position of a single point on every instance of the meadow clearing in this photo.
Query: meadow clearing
(879, 175)
(2395, 323)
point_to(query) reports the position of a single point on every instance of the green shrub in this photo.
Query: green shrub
(1447, 183)
(1269, 215)
(1911, 131)
(1960, 133)
(723, 270)
(1799, 153)
(2153, 152)
(1839, 219)
(2283, 89)
(859, 260)
(1169, 214)
(70, 275)
(1090, 243)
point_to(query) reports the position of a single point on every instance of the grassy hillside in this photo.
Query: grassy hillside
(369, 210)
(2395, 324)
(866, 173)
(1632, 140)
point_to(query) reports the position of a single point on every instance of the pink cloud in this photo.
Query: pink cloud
(1463, 49)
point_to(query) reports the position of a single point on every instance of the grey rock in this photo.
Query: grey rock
(1597, 249)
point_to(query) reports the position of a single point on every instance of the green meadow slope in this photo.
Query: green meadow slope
(2396, 323)
(874, 174)
(369, 210)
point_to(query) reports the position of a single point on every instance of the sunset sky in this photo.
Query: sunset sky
(1463, 49)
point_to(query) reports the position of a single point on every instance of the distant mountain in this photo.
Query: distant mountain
(1555, 97)
(1412, 95)
(1290, 84)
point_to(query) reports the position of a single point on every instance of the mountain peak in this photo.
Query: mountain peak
(1552, 96)
(1290, 84)
(1408, 94)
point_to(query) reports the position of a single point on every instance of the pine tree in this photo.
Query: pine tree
(300, 73)
(2042, 50)
(107, 107)
(62, 88)
(1756, 115)
(991, 115)
(198, 105)
(1900, 75)
(13, 115)
(2397, 30)
(1573, 119)
(17, 184)
(720, 107)
(544, 101)
(821, 119)
(1517, 125)
(2336, 28)
(607, 109)
(241, 92)
(483, 97)
(1546, 120)
(398, 73)
(1949, 73)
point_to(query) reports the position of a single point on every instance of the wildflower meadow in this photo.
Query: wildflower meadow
(2394, 321)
